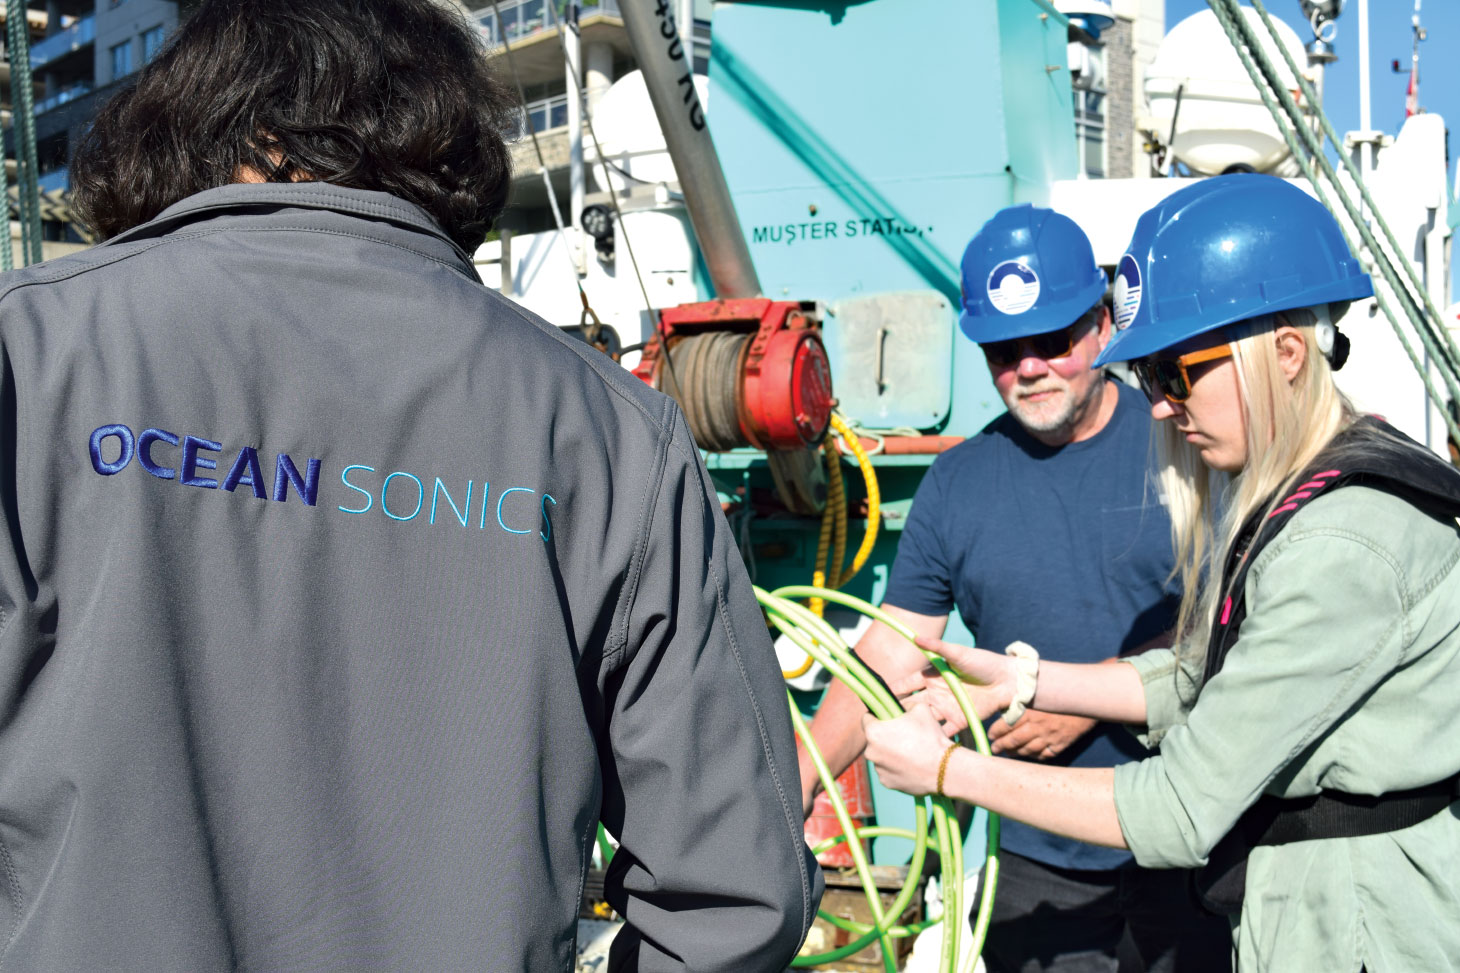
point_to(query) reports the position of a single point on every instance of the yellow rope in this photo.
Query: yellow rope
(837, 500)
(874, 499)
(823, 542)
(831, 545)
(823, 550)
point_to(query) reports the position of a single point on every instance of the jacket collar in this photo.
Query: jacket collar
(244, 198)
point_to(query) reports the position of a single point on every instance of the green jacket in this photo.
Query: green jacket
(1346, 677)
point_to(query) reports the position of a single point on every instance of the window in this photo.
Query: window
(151, 43)
(121, 60)
(519, 19)
(545, 114)
(1087, 73)
(1090, 132)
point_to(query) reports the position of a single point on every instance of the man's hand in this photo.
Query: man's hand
(810, 783)
(838, 724)
(1042, 736)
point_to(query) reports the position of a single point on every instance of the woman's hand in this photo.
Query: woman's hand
(988, 681)
(906, 751)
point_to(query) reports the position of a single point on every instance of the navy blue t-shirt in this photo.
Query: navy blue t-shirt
(1065, 548)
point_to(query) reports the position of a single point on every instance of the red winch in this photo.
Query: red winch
(746, 372)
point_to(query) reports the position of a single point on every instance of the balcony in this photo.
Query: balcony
(555, 152)
(524, 18)
(71, 93)
(73, 38)
(549, 117)
(51, 181)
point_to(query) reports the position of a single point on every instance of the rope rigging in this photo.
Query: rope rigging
(1391, 262)
(27, 173)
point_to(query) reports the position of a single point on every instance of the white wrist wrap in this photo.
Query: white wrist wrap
(1026, 669)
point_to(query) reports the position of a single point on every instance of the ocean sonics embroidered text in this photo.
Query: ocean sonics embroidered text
(515, 510)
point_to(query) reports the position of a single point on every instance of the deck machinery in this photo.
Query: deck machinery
(857, 146)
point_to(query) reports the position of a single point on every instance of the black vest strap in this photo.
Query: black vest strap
(1334, 814)
(1390, 462)
(1395, 465)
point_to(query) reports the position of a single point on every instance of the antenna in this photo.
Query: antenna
(1411, 96)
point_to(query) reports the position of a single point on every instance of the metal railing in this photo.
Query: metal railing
(523, 18)
(73, 38)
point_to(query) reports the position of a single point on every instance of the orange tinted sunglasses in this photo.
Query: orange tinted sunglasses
(1168, 376)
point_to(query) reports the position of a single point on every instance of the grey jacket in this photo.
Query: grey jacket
(339, 597)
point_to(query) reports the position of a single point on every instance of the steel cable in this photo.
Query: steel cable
(1453, 350)
(709, 364)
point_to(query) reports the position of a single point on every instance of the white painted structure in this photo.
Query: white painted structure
(1203, 104)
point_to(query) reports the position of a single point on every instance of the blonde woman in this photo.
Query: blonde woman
(1306, 722)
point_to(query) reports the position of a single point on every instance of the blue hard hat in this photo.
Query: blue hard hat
(1223, 250)
(1027, 271)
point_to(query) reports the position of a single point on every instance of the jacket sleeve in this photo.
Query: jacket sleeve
(700, 778)
(1171, 679)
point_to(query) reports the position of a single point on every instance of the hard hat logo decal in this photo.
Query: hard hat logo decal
(1013, 287)
(1127, 292)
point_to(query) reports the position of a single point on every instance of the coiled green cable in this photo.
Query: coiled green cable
(819, 640)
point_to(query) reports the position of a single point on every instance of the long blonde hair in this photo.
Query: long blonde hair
(1287, 425)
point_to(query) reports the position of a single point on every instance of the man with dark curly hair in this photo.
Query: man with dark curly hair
(340, 598)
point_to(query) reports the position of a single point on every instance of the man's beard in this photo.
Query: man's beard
(1055, 415)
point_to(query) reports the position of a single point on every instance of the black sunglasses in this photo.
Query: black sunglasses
(1047, 345)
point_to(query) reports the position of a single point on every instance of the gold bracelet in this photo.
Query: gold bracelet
(943, 767)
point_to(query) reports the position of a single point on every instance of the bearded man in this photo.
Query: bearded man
(1041, 530)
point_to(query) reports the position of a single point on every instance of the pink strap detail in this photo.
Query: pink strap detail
(1283, 509)
(1300, 495)
(1227, 610)
(1313, 485)
(1324, 476)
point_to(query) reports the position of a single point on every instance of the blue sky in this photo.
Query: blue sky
(1389, 38)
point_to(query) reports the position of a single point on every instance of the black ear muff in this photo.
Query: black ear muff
(1339, 354)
